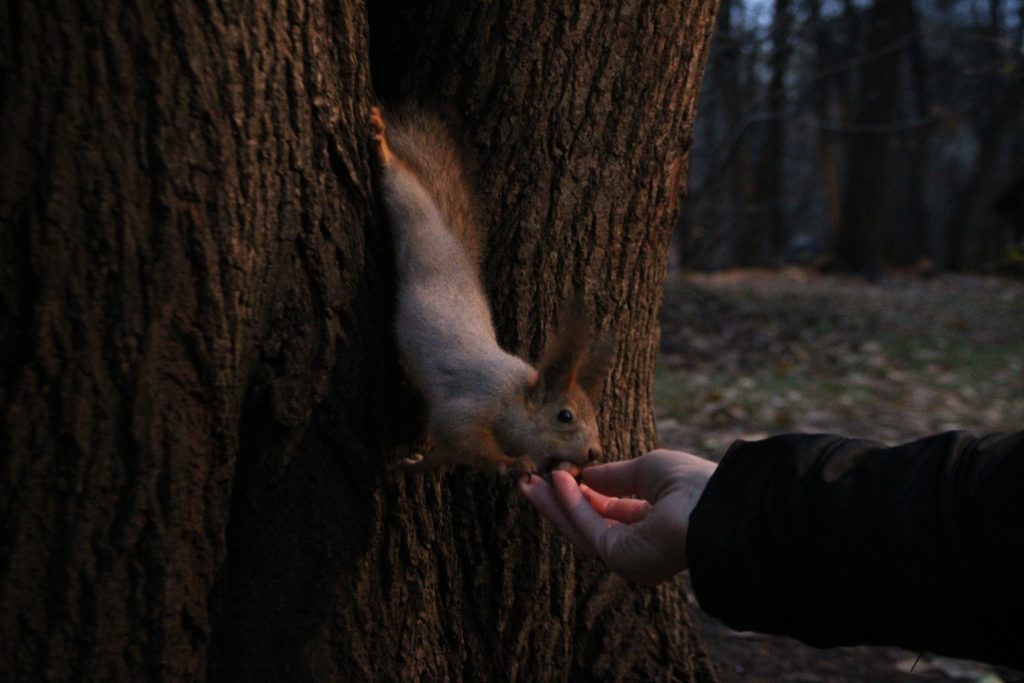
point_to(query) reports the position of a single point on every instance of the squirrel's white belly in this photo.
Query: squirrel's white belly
(447, 338)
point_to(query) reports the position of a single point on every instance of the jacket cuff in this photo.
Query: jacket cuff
(733, 540)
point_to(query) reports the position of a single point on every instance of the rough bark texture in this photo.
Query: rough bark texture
(200, 393)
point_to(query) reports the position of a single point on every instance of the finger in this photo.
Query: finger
(584, 518)
(627, 549)
(648, 476)
(542, 497)
(626, 510)
(614, 478)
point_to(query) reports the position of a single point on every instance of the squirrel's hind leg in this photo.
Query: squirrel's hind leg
(425, 459)
(417, 463)
(379, 142)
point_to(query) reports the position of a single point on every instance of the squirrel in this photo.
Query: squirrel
(487, 408)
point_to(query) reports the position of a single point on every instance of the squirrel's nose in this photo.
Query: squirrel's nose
(594, 454)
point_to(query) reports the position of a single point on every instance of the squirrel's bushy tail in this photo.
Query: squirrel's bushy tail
(424, 142)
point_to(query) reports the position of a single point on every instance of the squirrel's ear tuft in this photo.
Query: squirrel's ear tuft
(592, 371)
(565, 352)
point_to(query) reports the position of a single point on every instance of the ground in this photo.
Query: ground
(746, 354)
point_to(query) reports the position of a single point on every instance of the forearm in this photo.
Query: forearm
(838, 542)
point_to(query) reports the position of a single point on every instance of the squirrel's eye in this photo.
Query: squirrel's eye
(565, 415)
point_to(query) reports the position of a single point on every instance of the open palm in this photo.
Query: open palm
(643, 538)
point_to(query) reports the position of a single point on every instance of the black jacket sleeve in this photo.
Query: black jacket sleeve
(840, 542)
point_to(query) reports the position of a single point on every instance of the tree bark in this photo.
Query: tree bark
(200, 391)
(770, 170)
(969, 230)
(906, 240)
(826, 56)
(859, 242)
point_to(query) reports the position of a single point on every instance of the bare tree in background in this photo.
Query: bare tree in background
(999, 95)
(770, 192)
(893, 135)
(876, 203)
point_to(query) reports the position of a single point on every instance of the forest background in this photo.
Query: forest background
(858, 136)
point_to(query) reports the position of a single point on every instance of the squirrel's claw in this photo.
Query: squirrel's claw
(521, 465)
(525, 465)
(415, 464)
(380, 143)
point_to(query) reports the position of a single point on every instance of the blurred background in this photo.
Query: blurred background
(850, 257)
(857, 136)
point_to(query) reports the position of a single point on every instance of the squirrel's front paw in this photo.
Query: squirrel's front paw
(415, 464)
(413, 460)
(521, 465)
(380, 143)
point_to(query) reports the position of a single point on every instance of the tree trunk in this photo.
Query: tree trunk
(833, 85)
(200, 391)
(859, 243)
(747, 233)
(769, 197)
(970, 242)
(906, 240)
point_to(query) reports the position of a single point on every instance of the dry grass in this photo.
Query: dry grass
(751, 353)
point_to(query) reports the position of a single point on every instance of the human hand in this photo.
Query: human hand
(644, 538)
